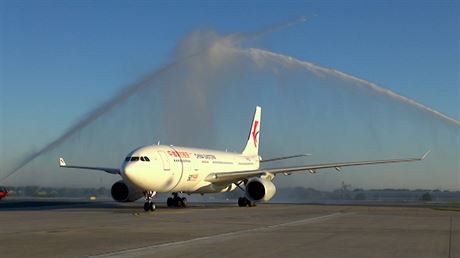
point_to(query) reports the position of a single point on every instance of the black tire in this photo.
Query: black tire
(170, 202)
(146, 206)
(184, 202)
(177, 201)
(246, 202)
(152, 206)
(241, 202)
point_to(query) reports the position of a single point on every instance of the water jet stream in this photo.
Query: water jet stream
(227, 46)
(257, 54)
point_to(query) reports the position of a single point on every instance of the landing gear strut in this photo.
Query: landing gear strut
(149, 205)
(243, 202)
(176, 201)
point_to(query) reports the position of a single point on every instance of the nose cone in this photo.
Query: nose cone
(144, 175)
(130, 173)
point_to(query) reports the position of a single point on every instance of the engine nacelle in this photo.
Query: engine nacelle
(122, 192)
(258, 189)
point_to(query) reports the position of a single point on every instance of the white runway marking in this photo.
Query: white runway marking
(143, 251)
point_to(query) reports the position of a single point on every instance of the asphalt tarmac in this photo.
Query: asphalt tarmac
(79, 228)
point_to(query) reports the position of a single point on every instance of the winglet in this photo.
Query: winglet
(62, 162)
(425, 155)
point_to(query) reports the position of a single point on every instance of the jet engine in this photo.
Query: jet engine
(258, 189)
(122, 192)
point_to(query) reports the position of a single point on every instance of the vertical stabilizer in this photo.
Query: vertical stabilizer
(252, 146)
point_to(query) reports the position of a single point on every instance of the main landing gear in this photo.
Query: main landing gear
(243, 202)
(149, 205)
(176, 201)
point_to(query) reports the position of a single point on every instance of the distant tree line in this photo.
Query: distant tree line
(39, 191)
(345, 193)
(287, 194)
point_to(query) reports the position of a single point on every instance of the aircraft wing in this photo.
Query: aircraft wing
(62, 164)
(283, 158)
(230, 177)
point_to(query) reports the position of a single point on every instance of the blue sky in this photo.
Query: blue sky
(61, 59)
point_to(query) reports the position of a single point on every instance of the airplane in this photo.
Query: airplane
(171, 169)
(3, 192)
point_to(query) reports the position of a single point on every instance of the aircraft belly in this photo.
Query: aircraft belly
(212, 188)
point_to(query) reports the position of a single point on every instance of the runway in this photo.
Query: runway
(76, 228)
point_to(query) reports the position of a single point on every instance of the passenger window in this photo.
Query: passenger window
(146, 158)
(142, 158)
(134, 158)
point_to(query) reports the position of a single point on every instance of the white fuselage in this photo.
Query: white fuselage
(163, 168)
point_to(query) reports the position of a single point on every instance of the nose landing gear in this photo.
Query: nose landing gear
(149, 205)
(176, 201)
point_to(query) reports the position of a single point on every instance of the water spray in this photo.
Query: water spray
(127, 92)
(258, 56)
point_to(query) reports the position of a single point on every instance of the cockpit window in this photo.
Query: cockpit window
(142, 158)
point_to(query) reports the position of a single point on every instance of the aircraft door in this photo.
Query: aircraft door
(165, 161)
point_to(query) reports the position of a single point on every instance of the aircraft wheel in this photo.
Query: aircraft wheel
(152, 206)
(177, 201)
(248, 203)
(146, 206)
(170, 202)
(243, 202)
(183, 202)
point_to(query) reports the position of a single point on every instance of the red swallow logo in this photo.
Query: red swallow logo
(254, 132)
